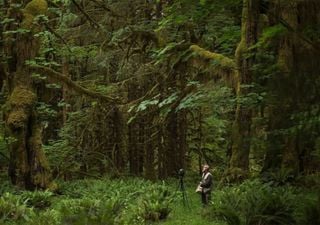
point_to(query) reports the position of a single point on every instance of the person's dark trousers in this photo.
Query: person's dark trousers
(205, 198)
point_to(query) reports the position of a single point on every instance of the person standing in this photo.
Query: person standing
(206, 184)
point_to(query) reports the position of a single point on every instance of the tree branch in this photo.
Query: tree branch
(60, 78)
(145, 96)
(223, 61)
(92, 21)
(102, 5)
(57, 35)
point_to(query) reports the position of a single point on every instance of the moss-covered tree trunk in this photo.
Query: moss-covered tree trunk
(239, 161)
(28, 164)
(295, 88)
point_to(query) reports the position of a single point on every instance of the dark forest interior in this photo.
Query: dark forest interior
(104, 101)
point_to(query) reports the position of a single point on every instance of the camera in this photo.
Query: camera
(181, 173)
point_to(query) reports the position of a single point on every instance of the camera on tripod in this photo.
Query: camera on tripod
(181, 173)
(181, 187)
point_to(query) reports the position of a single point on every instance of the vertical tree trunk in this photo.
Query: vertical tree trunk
(294, 87)
(239, 161)
(171, 145)
(119, 141)
(28, 165)
(150, 149)
(162, 172)
(65, 96)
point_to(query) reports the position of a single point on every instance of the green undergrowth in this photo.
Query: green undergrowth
(89, 202)
(137, 201)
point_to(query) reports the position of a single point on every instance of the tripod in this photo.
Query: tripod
(182, 189)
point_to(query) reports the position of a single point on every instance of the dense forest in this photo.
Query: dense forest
(104, 101)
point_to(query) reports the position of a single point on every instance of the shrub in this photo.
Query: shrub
(12, 208)
(279, 177)
(91, 211)
(154, 199)
(156, 203)
(309, 214)
(48, 217)
(129, 189)
(309, 180)
(253, 203)
(312, 214)
(5, 186)
(37, 199)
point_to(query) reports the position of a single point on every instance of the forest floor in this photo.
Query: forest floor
(99, 198)
(188, 212)
(135, 201)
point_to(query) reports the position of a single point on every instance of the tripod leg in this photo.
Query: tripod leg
(185, 196)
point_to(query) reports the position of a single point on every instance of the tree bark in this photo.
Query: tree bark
(294, 88)
(239, 161)
(28, 164)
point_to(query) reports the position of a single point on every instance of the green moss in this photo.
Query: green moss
(241, 48)
(22, 97)
(20, 102)
(53, 186)
(27, 20)
(17, 118)
(33, 9)
(222, 60)
(36, 7)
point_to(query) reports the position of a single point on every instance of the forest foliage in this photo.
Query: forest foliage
(118, 89)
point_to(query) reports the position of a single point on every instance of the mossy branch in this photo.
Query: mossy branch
(223, 61)
(60, 78)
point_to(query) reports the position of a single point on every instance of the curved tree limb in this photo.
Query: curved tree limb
(223, 61)
(60, 78)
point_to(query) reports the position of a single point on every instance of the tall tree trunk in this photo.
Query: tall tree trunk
(119, 140)
(239, 161)
(28, 165)
(295, 87)
(150, 149)
(171, 145)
